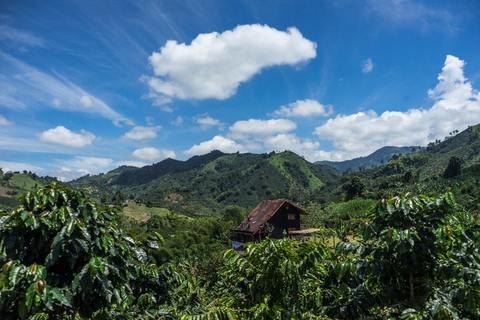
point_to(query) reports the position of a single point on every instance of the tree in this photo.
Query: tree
(454, 167)
(354, 188)
(62, 255)
(104, 199)
(7, 176)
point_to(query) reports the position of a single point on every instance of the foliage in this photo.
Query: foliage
(418, 258)
(354, 188)
(454, 167)
(277, 279)
(63, 255)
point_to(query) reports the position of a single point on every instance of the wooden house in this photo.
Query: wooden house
(270, 218)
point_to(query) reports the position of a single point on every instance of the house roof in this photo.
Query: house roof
(262, 213)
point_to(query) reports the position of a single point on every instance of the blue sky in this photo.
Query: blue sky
(87, 86)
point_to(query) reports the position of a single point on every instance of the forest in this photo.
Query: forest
(398, 239)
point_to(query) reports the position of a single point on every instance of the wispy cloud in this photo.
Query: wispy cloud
(20, 38)
(24, 85)
(414, 13)
(4, 121)
(367, 66)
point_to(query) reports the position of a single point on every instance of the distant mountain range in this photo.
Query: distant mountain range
(208, 183)
(377, 158)
(214, 179)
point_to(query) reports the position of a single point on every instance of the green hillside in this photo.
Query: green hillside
(207, 183)
(14, 184)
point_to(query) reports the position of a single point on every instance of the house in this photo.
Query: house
(270, 218)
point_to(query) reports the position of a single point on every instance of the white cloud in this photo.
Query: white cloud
(215, 64)
(208, 122)
(62, 136)
(158, 100)
(367, 66)
(153, 154)
(4, 121)
(80, 166)
(304, 108)
(242, 129)
(18, 166)
(217, 143)
(166, 109)
(137, 164)
(456, 106)
(87, 101)
(23, 85)
(178, 121)
(149, 120)
(141, 132)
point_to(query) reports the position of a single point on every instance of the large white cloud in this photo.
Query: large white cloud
(256, 127)
(141, 132)
(304, 108)
(215, 64)
(217, 143)
(153, 154)
(456, 106)
(62, 136)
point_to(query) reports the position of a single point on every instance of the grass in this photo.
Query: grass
(354, 208)
(24, 181)
(141, 212)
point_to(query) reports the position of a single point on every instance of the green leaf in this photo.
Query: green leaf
(14, 275)
(22, 310)
(95, 266)
(70, 226)
(141, 255)
(30, 297)
(152, 244)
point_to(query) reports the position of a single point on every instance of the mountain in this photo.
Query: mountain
(377, 158)
(429, 171)
(204, 183)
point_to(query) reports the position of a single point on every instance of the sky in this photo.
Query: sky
(87, 86)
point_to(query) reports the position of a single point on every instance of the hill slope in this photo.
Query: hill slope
(212, 180)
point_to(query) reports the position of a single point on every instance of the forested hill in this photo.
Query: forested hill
(379, 157)
(213, 180)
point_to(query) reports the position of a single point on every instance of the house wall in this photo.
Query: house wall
(281, 222)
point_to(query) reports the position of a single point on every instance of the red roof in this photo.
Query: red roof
(262, 213)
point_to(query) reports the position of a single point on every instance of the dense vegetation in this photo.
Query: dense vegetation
(63, 256)
(393, 242)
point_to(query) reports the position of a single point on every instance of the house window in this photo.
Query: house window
(291, 229)
(291, 216)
